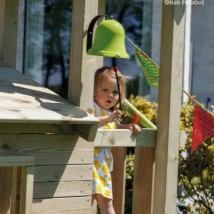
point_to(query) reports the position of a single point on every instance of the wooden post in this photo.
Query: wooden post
(82, 66)
(5, 182)
(171, 64)
(119, 178)
(143, 176)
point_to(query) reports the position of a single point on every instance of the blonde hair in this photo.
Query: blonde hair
(109, 72)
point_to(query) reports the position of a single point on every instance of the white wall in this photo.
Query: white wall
(202, 37)
(156, 36)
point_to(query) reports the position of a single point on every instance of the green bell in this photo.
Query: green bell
(109, 40)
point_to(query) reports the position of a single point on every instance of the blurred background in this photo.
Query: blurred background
(47, 42)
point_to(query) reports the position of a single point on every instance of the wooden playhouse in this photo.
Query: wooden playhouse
(46, 142)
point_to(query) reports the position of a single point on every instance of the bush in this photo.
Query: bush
(195, 171)
(149, 109)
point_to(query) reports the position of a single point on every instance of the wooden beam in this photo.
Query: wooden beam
(167, 146)
(125, 138)
(71, 205)
(82, 66)
(119, 179)
(87, 132)
(143, 176)
(5, 184)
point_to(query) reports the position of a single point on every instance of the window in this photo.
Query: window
(47, 43)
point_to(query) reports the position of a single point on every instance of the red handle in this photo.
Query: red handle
(136, 118)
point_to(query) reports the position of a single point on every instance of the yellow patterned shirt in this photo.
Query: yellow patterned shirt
(103, 161)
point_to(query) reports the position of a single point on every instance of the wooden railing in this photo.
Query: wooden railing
(144, 145)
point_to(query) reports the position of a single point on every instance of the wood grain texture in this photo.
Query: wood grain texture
(25, 101)
(62, 189)
(12, 160)
(119, 179)
(71, 205)
(27, 107)
(25, 189)
(125, 138)
(49, 173)
(81, 78)
(49, 149)
(169, 106)
(143, 178)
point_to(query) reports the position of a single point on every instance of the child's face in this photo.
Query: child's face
(106, 92)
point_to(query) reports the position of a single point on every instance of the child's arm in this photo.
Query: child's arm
(113, 117)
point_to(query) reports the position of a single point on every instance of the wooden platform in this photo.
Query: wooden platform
(27, 107)
(37, 122)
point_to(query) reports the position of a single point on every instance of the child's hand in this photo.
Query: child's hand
(136, 129)
(114, 116)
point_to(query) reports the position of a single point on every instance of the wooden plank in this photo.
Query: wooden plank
(26, 189)
(72, 157)
(62, 173)
(86, 131)
(122, 137)
(62, 189)
(118, 179)
(94, 207)
(15, 142)
(17, 110)
(169, 106)
(5, 187)
(24, 102)
(25, 162)
(63, 157)
(143, 177)
(49, 149)
(70, 205)
(20, 128)
(10, 160)
(14, 190)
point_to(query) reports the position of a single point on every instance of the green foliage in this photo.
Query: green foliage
(195, 171)
(129, 170)
(149, 109)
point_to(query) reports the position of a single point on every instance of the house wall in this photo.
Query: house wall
(156, 36)
(202, 34)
